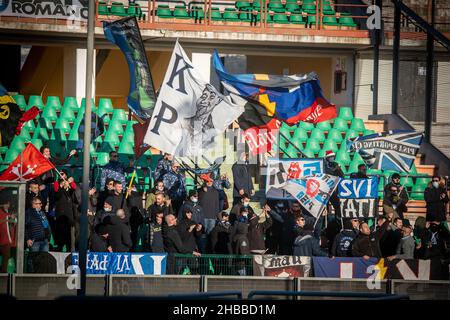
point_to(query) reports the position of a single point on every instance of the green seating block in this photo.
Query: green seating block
(119, 115)
(407, 181)
(368, 132)
(115, 127)
(313, 146)
(307, 126)
(101, 158)
(230, 14)
(134, 10)
(345, 113)
(417, 192)
(351, 134)
(309, 8)
(49, 113)
(296, 18)
(37, 143)
(293, 7)
(197, 12)
(335, 135)
(425, 180)
(330, 21)
(275, 4)
(53, 102)
(242, 4)
(300, 135)
(311, 20)
(216, 15)
(330, 144)
(280, 18)
(292, 151)
(46, 123)
(343, 157)
(70, 102)
(346, 21)
(67, 113)
(40, 133)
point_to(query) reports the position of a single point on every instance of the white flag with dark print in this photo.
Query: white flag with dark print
(189, 113)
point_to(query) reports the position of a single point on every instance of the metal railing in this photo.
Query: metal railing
(213, 264)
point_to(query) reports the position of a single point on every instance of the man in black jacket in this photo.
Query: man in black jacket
(342, 245)
(100, 239)
(65, 209)
(119, 232)
(333, 168)
(33, 192)
(242, 181)
(208, 199)
(107, 192)
(395, 197)
(243, 203)
(436, 198)
(367, 244)
(134, 203)
(173, 243)
(220, 235)
(118, 200)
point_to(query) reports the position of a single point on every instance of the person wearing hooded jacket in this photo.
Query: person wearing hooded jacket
(220, 235)
(189, 231)
(342, 244)
(305, 244)
(119, 232)
(257, 230)
(334, 169)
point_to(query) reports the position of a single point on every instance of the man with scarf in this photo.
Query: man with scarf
(395, 197)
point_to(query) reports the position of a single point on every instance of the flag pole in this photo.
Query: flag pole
(129, 185)
(86, 148)
(291, 143)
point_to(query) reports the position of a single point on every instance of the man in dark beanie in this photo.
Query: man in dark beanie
(100, 241)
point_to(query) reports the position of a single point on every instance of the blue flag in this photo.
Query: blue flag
(126, 35)
(392, 150)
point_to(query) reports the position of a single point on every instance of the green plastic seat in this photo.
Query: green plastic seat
(110, 143)
(45, 123)
(346, 21)
(20, 100)
(292, 152)
(67, 113)
(40, 133)
(324, 125)
(180, 12)
(245, 16)
(318, 135)
(358, 125)
(330, 20)
(119, 115)
(351, 134)
(413, 170)
(11, 155)
(296, 18)
(126, 148)
(280, 18)
(307, 126)
(49, 113)
(37, 143)
(163, 11)
(327, 8)
(343, 157)
(313, 146)
(340, 124)
(197, 12)
(275, 4)
(423, 180)
(407, 181)
(230, 14)
(374, 172)
(70, 102)
(115, 127)
(35, 101)
(353, 167)
(293, 7)
(300, 135)
(335, 135)
(216, 15)
(309, 7)
(330, 144)
(257, 4)
(17, 143)
(118, 9)
(105, 106)
(103, 9)
(417, 192)
(25, 133)
(311, 20)
(53, 102)
(243, 5)
(287, 130)
(345, 113)
(307, 153)
(134, 10)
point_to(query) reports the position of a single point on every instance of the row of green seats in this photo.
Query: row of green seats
(118, 9)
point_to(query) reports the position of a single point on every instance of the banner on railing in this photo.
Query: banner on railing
(279, 171)
(374, 268)
(281, 266)
(76, 10)
(124, 263)
(358, 197)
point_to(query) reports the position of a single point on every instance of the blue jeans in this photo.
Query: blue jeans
(209, 225)
(39, 246)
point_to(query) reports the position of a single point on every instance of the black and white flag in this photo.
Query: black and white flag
(189, 112)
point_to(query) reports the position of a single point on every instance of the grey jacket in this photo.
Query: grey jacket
(405, 249)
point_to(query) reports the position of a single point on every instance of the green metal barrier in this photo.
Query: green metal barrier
(213, 264)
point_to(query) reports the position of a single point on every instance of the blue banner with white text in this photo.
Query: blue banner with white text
(124, 263)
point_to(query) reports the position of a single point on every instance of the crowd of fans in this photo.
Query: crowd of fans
(169, 219)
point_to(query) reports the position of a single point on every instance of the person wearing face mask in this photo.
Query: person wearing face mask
(151, 196)
(102, 213)
(334, 169)
(115, 169)
(395, 197)
(244, 203)
(436, 198)
(192, 204)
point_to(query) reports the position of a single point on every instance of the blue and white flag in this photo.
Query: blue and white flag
(123, 263)
(313, 192)
(391, 150)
